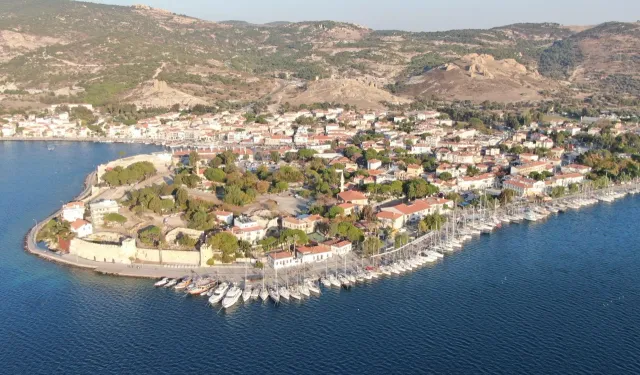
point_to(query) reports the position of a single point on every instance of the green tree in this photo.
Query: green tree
(151, 235)
(214, 174)
(445, 176)
(194, 158)
(371, 246)
(335, 211)
(400, 240)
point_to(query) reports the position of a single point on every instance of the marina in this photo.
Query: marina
(425, 250)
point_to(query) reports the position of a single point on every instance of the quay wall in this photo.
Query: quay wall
(108, 253)
(127, 252)
(191, 258)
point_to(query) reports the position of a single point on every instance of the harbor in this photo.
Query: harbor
(296, 285)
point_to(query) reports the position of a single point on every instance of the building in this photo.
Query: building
(411, 213)
(390, 219)
(524, 187)
(536, 166)
(313, 254)
(339, 247)
(73, 211)
(247, 229)
(282, 259)
(224, 217)
(305, 223)
(81, 228)
(374, 164)
(576, 168)
(355, 197)
(480, 182)
(100, 209)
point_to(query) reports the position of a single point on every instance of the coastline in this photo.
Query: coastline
(154, 271)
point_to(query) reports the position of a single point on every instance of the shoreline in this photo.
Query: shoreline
(156, 271)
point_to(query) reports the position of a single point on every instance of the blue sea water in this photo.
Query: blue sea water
(557, 297)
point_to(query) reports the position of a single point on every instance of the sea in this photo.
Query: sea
(554, 297)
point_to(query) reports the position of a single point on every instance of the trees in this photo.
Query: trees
(274, 156)
(368, 213)
(400, 240)
(194, 158)
(306, 154)
(115, 218)
(371, 246)
(296, 236)
(445, 176)
(135, 172)
(151, 235)
(181, 197)
(419, 188)
(506, 196)
(472, 171)
(433, 221)
(214, 174)
(226, 243)
(335, 211)
(558, 191)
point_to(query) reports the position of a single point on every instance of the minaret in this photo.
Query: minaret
(341, 180)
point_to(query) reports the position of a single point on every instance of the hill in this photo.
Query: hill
(54, 51)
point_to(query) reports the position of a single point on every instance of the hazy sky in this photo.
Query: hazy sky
(414, 15)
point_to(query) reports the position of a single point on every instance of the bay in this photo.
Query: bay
(555, 297)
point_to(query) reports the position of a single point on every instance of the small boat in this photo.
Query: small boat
(232, 296)
(344, 281)
(162, 282)
(171, 283)
(182, 284)
(351, 277)
(51, 147)
(246, 293)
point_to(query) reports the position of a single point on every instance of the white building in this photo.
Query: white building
(81, 228)
(283, 259)
(73, 211)
(100, 209)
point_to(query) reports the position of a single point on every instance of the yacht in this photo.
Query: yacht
(325, 282)
(219, 293)
(162, 282)
(304, 290)
(334, 281)
(171, 283)
(255, 293)
(232, 296)
(344, 281)
(246, 293)
(275, 296)
(295, 293)
(264, 294)
(385, 270)
(360, 277)
(313, 288)
(284, 292)
(530, 215)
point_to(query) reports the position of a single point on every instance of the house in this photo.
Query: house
(247, 229)
(305, 223)
(412, 212)
(347, 208)
(73, 211)
(102, 208)
(354, 197)
(339, 247)
(439, 204)
(414, 171)
(374, 164)
(482, 181)
(282, 259)
(313, 254)
(576, 168)
(565, 179)
(390, 219)
(224, 217)
(524, 187)
(536, 166)
(81, 228)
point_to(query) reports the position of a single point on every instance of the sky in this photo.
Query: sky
(411, 15)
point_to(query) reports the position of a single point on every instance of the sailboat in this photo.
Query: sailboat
(246, 293)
